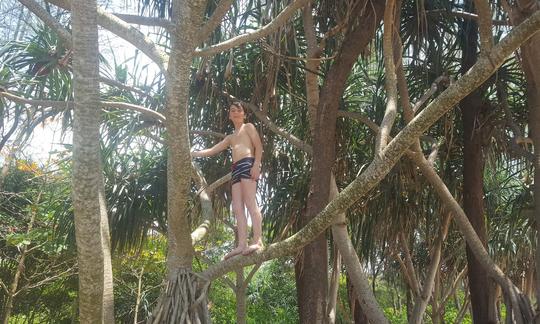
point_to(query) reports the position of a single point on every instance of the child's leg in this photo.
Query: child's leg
(249, 189)
(241, 221)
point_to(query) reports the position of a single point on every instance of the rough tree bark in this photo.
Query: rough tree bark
(96, 303)
(472, 110)
(184, 298)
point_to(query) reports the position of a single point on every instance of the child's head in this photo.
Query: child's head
(236, 110)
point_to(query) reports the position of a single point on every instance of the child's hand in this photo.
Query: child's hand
(255, 172)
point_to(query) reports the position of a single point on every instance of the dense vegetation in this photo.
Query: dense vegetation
(320, 88)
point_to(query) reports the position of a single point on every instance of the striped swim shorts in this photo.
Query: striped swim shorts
(241, 169)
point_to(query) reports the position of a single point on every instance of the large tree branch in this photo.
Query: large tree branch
(129, 33)
(279, 21)
(377, 170)
(61, 105)
(434, 266)
(391, 78)
(49, 20)
(358, 277)
(484, 25)
(409, 266)
(146, 21)
(211, 24)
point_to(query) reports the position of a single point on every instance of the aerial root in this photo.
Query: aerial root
(184, 300)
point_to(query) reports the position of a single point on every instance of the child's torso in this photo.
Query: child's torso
(241, 144)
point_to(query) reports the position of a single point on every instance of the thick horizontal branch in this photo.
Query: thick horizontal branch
(266, 30)
(382, 164)
(69, 105)
(146, 21)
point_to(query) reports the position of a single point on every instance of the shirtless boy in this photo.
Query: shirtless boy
(247, 153)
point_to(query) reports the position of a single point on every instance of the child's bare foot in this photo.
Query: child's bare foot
(253, 247)
(238, 250)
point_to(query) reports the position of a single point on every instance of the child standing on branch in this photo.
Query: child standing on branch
(246, 168)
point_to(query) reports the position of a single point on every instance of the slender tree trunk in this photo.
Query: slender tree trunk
(139, 295)
(530, 51)
(436, 307)
(364, 295)
(473, 178)
(359, 317)
(96, 303)
(240, 293)
(311, 267)
(184, 300)
(18, 273)
(334, 286)
(422, 300)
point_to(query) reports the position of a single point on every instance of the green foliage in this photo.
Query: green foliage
(145, 266)
(46, 286)
(271, 295)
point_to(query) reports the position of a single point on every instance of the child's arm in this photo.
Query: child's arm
(213, 150)
(257, 146)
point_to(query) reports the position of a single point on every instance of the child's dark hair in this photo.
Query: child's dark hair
(238, 104)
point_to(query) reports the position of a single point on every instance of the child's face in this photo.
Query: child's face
(236, 113)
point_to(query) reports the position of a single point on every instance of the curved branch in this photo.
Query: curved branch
(214, 185)
(206, 206)
(48, 20)
(359, 279)
(213, 22)
(126, 106)
(279, 21)
(123, 30)
(430, 92)
(391, 77)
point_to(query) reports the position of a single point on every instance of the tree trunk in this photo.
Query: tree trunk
(184, 299)
(473, 178)
(96, 303)
(139, 295)
(530, 51)
(240, 293)
(311, 267)
(334, 285)
(359, 317)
